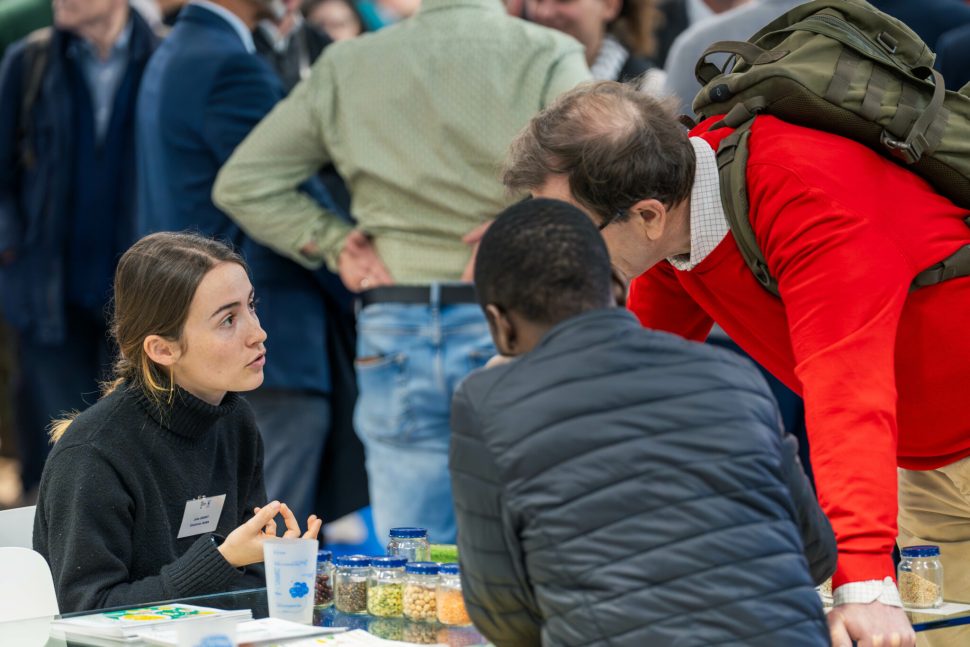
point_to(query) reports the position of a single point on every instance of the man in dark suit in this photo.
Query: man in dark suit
(930, 19)
(205, 89)
(67, 103)
(953, 57)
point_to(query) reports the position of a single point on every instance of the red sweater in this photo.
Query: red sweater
(885, 373)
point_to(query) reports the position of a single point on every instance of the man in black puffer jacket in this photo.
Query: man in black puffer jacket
(620, 486)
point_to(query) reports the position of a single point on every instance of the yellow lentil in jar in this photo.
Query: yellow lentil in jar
(451, 608)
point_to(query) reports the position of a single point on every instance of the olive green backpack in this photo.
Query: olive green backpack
(843, 67)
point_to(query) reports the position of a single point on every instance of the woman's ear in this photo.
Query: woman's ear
(162, 351)
(503, 330)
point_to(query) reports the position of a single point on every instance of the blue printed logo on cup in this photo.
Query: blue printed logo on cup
(215, 641)
(299, 590)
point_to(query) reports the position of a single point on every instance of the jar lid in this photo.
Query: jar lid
(391, 561)
(324, 555)
(422, 568)
(406, 533)
(449, 569)
(354, 561)
(920, 551)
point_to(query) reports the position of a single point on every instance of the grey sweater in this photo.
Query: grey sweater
(620, 486)
(114, 491)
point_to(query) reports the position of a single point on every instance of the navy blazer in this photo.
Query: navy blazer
(201, 95)
(34, 199)
(953, 57)
(930, 19)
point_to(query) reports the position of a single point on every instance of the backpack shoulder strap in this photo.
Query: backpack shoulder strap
(957, 265)
(732, 164)
(36, 54)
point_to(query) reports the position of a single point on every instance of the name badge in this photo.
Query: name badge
(201, 515)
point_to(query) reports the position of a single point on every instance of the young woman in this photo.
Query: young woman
(152, 493)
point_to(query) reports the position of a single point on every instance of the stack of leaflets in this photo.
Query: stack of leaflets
(267, 632)
(124, 626)
(355, 638)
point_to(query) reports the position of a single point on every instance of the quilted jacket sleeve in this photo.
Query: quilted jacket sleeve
(496, 590)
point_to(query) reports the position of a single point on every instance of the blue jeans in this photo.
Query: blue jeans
(410, 358)
(294, 426)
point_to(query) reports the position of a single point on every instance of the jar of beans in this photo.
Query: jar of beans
(450, 603)
(323, 591)
(350, 584)
(411, 543)
(420, 584)
(385, 587)
(921, 577)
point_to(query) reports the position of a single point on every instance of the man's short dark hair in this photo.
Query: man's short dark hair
(615, 144)
(545, 260)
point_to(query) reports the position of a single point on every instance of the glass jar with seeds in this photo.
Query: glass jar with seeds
(350, 584)
(449, 600)
(323, 591)
(920, 577)
(385, 587)
(420, 584)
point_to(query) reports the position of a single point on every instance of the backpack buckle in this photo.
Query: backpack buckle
(908, 152)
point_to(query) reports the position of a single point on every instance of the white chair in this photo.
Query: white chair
(26, 585)
(17, 527)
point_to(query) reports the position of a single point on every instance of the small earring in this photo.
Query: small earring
(171, 386)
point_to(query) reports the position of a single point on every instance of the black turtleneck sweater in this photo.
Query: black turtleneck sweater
(113, 495)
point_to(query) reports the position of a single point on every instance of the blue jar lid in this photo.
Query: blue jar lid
(450, 569)
(408, 533)
(354, 561)
(391, 561)
(324, 555)
(422, 568)
(920, 551)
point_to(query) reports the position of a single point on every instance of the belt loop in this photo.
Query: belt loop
(435, 295)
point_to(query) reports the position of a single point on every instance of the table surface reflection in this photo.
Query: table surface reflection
(419, 633)
(389, 628)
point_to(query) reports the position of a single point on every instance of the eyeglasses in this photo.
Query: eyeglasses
(617, 215)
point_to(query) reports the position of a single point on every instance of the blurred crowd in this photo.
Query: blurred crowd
(116, 121)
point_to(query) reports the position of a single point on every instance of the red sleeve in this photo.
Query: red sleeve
(660, 302)
(843, 284)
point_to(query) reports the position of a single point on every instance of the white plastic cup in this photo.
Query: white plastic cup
(291, 571)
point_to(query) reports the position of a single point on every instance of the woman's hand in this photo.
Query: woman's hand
(244, 545)
(313, 524)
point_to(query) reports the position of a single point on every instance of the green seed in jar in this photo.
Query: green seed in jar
(387, 628)
(385, 600)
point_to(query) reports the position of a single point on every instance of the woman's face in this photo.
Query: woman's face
(337, 19)
(222, 347)
(584, 20)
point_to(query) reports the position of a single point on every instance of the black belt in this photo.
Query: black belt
(448, 294)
